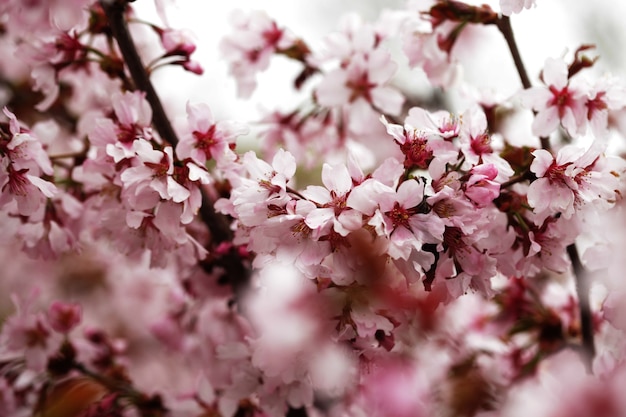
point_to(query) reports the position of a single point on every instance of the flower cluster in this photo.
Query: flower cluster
(377, 252)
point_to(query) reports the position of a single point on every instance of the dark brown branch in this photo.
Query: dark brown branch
(580, 275)
(586, 317)
(504, 25)
(115, 14)
(217, 224)
(514, 180)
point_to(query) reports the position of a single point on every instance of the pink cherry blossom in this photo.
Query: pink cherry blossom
(180, 44)
(133, 119)
(353, 37)
(478, 145)
(29, 333)
(407, 227)
(332, 213)
(207, 139)
(264, 191)
(606, 95)
(427, 47)
(177, 42)
(153, 173)
(440, 123)
(362, 79)
(63, 317)
(559, 102)
(481, 187)
(387, 249)
(249, 49)
(568, 181)
(509, 7)
(420, 146)
(24, 149)
(27, 191)
(22, 162)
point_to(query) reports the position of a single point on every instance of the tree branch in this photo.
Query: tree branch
(114, 10)
(580, 275)
(586, 317)
(504, 25)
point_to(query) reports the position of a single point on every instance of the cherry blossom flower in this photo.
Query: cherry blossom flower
(509, 7)
(608, 94)
(63, 317)
(44, 17)
(408, 228)
(249, 49)
(177, 42)
(354, 37)
(55, 234)
(477, 144)
(28, 332)
(419, 145)
(429, 45)
(332, 213)
(265, 191)
(558, 102)
(206, 138)
(439, 123)
(153, 173)
(568, 181)
(27, 191)
(133, 119)
(180, 44)
(548, 246)
(360, 84)
(22, 162)
(481, 187)
(24, 149)
(286, 238)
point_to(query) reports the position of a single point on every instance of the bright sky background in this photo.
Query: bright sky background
(553, 28)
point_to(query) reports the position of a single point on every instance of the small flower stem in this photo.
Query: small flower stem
(516, 179)
(586, 317)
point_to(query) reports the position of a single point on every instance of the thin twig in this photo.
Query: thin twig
(514, 180)
(504, 25)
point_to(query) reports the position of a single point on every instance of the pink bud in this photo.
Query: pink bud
(193, 66)
(177, 42)
(63, 317)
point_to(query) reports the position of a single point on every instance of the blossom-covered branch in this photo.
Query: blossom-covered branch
(378, 249)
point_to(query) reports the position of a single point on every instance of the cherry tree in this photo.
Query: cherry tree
(378, 253)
